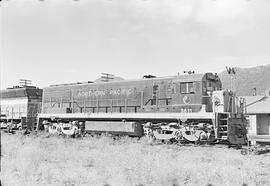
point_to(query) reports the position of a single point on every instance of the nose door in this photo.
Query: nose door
(218, 101)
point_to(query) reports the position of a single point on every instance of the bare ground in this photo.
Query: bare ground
(41, 160)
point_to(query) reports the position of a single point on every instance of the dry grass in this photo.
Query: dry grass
(38, 160)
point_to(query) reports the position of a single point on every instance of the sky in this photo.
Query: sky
(65, 41)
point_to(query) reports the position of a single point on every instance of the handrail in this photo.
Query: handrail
(158, 99)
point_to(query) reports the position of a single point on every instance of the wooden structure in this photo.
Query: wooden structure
(258, 113)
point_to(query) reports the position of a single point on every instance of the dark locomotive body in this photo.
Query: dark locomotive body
(20, 105)
(179, 94)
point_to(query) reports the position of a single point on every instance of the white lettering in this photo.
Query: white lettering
(186, 110)
(91, 93)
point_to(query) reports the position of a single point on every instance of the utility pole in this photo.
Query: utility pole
(25, 82)
(107, 77)
(231, 71)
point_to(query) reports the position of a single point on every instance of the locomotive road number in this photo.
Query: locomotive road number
(186, 110)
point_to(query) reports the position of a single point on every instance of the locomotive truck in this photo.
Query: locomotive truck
(191, 107)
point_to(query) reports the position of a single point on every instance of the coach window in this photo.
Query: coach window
(187, 88)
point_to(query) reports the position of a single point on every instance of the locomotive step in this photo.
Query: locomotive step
(223, 138)
(222, 126)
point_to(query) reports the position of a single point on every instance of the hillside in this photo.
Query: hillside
(248, 78)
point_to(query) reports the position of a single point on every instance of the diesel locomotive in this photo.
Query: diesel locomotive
(191, 107)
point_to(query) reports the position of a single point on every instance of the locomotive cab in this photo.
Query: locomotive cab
(210, 83)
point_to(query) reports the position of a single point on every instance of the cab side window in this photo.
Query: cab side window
(187, 88)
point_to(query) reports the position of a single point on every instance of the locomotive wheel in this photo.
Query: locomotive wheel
(178, 136)
(192, 136)
(54, 129)
(150, 134)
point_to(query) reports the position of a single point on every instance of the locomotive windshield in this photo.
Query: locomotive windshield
(212, 83)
